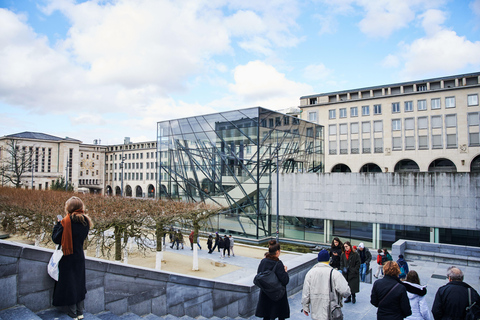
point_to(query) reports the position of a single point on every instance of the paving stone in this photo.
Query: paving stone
(108, 316)
(18, 313)
(130, 316)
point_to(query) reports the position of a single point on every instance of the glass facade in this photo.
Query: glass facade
(228, 159)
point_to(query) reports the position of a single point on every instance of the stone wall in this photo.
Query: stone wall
(123, 288)
(441, 200)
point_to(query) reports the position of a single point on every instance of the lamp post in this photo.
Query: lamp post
(31, 166)
(278, 185)
(121, 167)
(66, 176)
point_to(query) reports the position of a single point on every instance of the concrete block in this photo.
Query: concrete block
(94, 279)
(37, 254)
(176, 310)
(221, 312)
(8, 266)
(28, 281)
(117, 307)
(9, 288)
(207, 309)
(95, 300)
(10, 249)
(159, 305)
(232, 310)
(141, 308)
(193, 310)
(36, 301)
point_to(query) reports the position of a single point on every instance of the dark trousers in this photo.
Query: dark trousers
(75, 310)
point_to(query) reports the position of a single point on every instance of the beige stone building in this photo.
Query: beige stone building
(429, 125)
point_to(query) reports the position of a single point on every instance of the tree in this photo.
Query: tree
(59, 185)
(17, 163)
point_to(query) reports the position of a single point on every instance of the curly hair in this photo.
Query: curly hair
(391, 268)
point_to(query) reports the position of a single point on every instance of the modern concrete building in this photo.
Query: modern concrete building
(429, 125)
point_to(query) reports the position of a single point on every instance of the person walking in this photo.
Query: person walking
(221, 246)
(451, 300)
(70, 232)
(403, 267)
(210, 243)
(193, 240)
(336, 251)
(267, 308)
(418, 304)
(217, 238)
(365, 258)
(226, 246)
(316, 294)
(389, 295)
(230, 238)
(350, 266)
(381, 258)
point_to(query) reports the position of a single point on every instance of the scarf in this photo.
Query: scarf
(347, 253)
(67, 239)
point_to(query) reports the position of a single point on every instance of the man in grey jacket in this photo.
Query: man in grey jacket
(315, 295)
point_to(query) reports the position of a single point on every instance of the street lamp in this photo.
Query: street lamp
(66, 176)
(121, 167)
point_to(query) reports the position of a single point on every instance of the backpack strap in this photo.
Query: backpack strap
(388, 293)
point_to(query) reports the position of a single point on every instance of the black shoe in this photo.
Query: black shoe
(349, 299)
(354, 300)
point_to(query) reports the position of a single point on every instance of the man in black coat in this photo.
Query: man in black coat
(452, 298)
(365, 258)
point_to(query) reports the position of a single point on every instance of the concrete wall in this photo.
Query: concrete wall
(122, 288)
(442, 200)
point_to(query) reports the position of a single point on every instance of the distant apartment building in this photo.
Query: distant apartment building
(429, 125)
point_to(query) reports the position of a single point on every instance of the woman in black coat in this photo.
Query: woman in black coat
(336, 251)
(267, 308)
(350, 267)
(389, 295)
(71, 232)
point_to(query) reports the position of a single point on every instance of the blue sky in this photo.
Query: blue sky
(110, 69)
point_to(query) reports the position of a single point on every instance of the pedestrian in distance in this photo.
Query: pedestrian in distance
(267, 308)
(418, 304)
(316, 296)
(452, 299)
(350, 266)
(210, 243)
(387, 255)
(389, 295)
(365, 258)
(381, 258)
(193, 240)
(221, 246)
(231, 241)
(403, 267)
(226, 246)
(217, 238)
(70, 232)
(336, 251)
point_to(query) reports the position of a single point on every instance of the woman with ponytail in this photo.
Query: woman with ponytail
(267, 308)
(71, 232)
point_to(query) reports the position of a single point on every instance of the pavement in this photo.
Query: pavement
(432, 274)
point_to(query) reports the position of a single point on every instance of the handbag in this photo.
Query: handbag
(335, 309)
(268, 282)
(53, 263)
(472, 312)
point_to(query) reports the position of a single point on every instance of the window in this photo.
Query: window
(343, 112)
(409, 124)
(397, 143)
(451, 121)
(312, 116)
(377, 109)
(422, 123)
(410, 143)
(451, 140)
(378, 145)
(366, 127)
(332, 130)
(313, 100)
(408, 106)
(278, 121)
(422, 105)
(354, 112)
(332, 147)
(423, 142)
(396, 107)
(332, 114)
(436, 141)
(365, 110)
(378, 126)
(343, 147)
(354, 146)
(270, 123)
(473, 120)
(286, 120)
(366, 146)
(309, 132)
(436, 121)
(354, 127)
(449, 102)
(436, 103)
(343, 128)
(472, 100)
(396, 125)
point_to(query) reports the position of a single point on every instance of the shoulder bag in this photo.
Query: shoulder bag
(268, 282)
(335, 309)
(472, 312)
(53, 263)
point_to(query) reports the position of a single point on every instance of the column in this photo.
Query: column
(327, 230)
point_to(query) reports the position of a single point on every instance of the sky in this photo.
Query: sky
(109, 69)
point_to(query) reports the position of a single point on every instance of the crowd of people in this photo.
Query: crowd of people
(398, 294)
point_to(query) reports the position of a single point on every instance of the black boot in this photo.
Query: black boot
(349, 299)
(353, 298)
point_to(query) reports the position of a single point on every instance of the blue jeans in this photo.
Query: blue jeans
(363, 272)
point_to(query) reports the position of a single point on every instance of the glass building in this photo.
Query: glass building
(228, 158)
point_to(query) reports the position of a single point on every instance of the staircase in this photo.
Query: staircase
(23, 313)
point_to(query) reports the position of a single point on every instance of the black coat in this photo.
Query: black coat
(70, 288)
(267, 308)
(335, 262)
(353, 274)
(451, 300)
(396, 305)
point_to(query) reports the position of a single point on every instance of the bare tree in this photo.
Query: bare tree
(18, 161)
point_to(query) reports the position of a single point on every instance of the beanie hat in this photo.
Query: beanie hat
(361, 245)
(323, 256)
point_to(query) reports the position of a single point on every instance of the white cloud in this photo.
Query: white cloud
(391, 61)
(317, 72)
(260, 84)
(432, 21)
